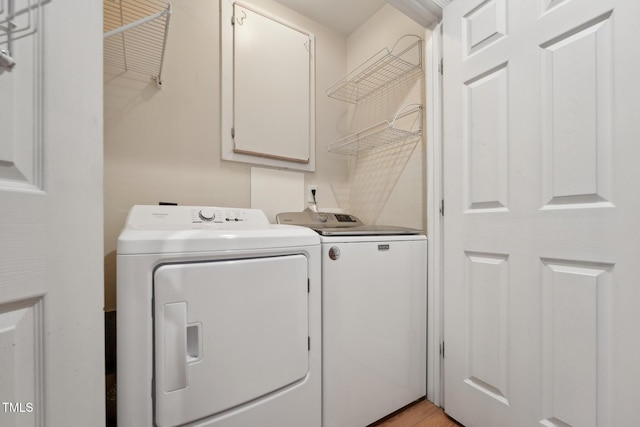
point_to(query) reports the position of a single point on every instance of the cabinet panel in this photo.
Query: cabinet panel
(267, 89)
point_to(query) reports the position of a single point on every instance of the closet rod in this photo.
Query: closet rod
(138, 22)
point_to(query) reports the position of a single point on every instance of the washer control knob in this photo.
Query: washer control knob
(322, 217)
(207, 214)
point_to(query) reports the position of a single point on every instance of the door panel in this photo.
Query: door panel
(540, 241)
(485, 133)
(487, 292)
(576, 115)
(21, 358)
(576, 296)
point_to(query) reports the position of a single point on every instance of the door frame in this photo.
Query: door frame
(435, 217)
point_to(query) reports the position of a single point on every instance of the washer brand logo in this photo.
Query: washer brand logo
(383, 247)
(17, 407)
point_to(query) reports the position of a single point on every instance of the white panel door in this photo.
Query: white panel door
(541, 132)
(51, 254)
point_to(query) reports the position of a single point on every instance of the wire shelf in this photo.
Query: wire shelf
(381, 69)
(379, 137)
(135, 35)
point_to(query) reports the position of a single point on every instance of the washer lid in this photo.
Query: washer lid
(368, 230)
(182, 229)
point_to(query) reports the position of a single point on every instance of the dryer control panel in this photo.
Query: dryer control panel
(174, 217)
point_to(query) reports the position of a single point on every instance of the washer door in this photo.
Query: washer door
(227, 333)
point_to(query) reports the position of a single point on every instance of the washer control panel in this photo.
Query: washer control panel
(165, 216)
(318, 219)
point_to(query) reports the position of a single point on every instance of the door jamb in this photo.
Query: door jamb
(435, 218)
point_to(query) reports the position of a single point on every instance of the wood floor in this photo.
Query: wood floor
(421, 414)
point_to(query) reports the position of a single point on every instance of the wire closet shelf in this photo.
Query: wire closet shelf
(382, 136)
(378, 71)
(135, 35)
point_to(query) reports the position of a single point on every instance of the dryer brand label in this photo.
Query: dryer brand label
(383, 247)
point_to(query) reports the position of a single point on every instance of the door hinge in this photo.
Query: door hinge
(442, 349)
(441, 66)
(308, 285)
(442, 207)
(309, 343)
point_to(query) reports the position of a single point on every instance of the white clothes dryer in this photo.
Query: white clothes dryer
(218, 320)
(374, 316)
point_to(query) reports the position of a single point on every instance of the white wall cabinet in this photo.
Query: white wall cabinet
(268, 87)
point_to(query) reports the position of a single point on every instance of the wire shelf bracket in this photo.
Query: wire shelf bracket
(135, 35)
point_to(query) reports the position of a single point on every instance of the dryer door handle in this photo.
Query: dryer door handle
(194, 338)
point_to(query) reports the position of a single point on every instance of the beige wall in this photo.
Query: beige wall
(405, 203)
(164, 145)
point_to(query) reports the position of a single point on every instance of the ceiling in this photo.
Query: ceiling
(343, 16)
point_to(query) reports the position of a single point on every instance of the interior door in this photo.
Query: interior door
(541, 145)
(51, 291)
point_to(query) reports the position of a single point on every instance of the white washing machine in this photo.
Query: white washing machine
(218, 320)
(374, 317)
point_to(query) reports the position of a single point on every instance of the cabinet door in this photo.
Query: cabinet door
(268, 88)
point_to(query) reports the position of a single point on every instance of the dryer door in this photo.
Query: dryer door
(227, 333)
